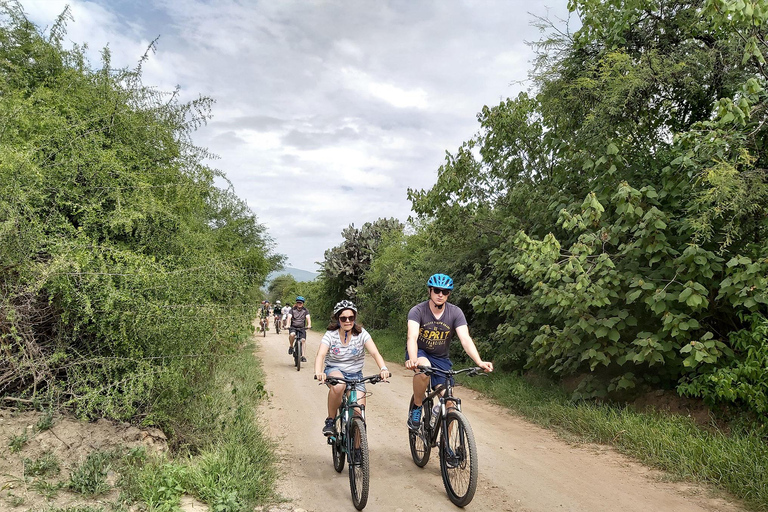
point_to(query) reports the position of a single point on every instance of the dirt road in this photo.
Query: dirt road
(522, 467)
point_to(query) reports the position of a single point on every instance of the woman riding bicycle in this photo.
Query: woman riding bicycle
(342, 354)
(431, 325)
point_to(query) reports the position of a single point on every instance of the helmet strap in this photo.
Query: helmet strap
(438, 306)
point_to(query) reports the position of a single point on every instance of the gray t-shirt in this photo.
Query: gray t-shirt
(435, 334)
(298, 317)
(347, 357)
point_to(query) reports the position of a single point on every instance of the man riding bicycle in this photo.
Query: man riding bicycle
(431, 326)
(277, 311)
(298, 323)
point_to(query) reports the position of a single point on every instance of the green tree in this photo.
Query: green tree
(620, 210)
(345, 265)
(125, 272)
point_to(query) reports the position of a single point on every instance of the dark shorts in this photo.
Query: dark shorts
(443, 363)
(300, 333)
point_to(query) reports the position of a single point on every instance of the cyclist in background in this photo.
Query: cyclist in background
(277, 311)
(286, 310)
(342, 354)
(298, 323)
(264, 313)
(431, 326)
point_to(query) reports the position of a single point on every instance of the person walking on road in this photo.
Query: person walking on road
(431, 326)
(342, 354)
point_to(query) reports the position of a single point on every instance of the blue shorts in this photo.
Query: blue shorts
(348, 375)
(442, 363)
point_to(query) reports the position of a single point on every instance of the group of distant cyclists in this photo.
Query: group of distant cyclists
(294, 318)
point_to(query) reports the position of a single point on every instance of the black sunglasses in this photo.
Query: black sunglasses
(346, 319)
(441, 291)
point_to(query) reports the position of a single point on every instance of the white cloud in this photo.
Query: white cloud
(399, 97)
(326, 111)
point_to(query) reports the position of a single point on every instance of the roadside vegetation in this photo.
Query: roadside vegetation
(227, 463)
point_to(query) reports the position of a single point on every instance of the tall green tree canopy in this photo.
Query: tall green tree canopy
(612, 222)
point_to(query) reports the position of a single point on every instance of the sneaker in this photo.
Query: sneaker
(414, 419)
(329, 428)
(303, 359)
(290, 351)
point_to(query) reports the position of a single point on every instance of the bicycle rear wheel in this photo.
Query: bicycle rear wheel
(419, 440)
(458, 459)
(358, 463)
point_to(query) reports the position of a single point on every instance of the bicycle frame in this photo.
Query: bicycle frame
(349, 406)
(444, 394)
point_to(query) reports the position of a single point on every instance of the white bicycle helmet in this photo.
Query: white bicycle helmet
(341, 306)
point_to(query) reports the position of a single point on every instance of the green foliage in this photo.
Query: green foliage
(45, 422)
(161, 485)
(742, 379)
(673, 443)
(283, 288)
(125, 273)
(345, 265)
(17, 442)
(90, 477)
(611, 224)
(46, 465)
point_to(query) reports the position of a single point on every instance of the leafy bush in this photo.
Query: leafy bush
(125, 273)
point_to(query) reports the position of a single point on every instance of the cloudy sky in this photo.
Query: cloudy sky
(326, 110)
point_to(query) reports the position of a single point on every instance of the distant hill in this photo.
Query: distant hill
(297, 273)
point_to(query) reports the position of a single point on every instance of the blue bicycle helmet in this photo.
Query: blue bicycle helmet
(440, 281)
(300, 299)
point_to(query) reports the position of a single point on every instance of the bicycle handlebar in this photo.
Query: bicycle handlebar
(472, 371)
(373, 379)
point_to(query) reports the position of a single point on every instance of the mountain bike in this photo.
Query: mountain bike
(349, 439)
(449, 429)
(264, 322)
(300, 335)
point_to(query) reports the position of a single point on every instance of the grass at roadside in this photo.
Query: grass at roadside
(735, 462)
(221, 456)
(233, 467)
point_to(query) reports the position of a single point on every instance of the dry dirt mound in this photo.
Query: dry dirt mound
(27, 438)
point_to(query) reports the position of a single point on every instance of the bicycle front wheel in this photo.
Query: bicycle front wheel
(297, 355)
(458, 459)
(358, 463)
(337, 449)
(419, 440)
